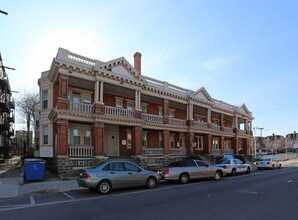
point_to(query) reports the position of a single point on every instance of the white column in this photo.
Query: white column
(96, 91)
(209, 115)
(101, 93)
(138, 100)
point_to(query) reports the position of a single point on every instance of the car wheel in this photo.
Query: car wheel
(234, 172)
(183, 178)
(104, 187)
(248, 170)
(279, 166)
(151, 182)
(218, 175)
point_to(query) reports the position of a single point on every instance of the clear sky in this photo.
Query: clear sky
(240, 51)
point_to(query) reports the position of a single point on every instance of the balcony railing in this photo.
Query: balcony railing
(228, 151)
(80, 107)
(177, 122)
(230, 130)
(241, 131)
(152, 151)
(215, 127)
(119, 112)
(80, 151)
(178, 151)
(198, 124)
(152, 118)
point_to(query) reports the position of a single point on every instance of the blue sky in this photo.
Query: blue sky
(240, 51)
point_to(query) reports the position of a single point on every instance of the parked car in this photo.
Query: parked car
(233, 166)
(269, 163)
(189, 169)
(116, 174)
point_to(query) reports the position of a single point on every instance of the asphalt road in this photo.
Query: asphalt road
(268, 194)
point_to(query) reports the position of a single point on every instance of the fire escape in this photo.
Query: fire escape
(7, 107)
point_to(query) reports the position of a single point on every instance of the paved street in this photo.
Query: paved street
(268, 194)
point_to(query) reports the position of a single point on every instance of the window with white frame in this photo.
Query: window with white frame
(45, 133)
(227, 144)
(87, 136)
(76, 136)
(172, 140)
(119, 103)
(172, 113)
(144, 109)
(144, 139)
(45, 99)
(128, 138)
(160, 113)
(215, 143)
(130, 106)
(199, 141)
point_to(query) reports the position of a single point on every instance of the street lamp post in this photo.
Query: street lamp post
(255, 129)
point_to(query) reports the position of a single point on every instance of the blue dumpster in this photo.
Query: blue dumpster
(34, 169)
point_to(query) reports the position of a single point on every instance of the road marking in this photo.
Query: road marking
(289, 181)
(69, 196)
(32, 200)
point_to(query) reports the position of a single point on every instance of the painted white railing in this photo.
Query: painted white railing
(80, 107)
(178, 151)
(216, 127)
(226, 129)
(152, 118)
(152, 151)
(228, 151)
(80, 151)
(177, 122)
(198, 124)
(241, 131)
(215, 151)
(120, 112)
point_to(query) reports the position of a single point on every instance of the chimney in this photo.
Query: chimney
(137, 64)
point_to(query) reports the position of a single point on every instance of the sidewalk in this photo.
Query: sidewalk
(11, 181)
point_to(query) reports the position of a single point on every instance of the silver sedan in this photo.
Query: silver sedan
(189, 169)
(116, 174)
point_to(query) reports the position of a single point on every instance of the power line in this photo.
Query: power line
(276, 109)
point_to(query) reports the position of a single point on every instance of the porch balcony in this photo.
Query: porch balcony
(119, 112)
(177, 122)
(152, 118)
(215, 127)
(152, 151)
(80, 107)
(215, 151)
(241, 131)
(227, 129)
(198, 124)
(80, 151)
(228, 151)
(178, 151)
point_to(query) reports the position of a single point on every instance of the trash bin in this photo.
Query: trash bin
(34, 169)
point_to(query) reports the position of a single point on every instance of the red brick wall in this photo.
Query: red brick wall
(180, 114)
(152, 139)
(153, 109)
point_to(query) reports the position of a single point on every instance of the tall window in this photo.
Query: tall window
(130, 106)
(172, 140)
(45, 99)
(76, 136)
(144, 139)
(199, 142)
(171, 113)
(160, 113)
(45, 132)
(87, 136)
(215, 143)
(144, 109)
(128, 138)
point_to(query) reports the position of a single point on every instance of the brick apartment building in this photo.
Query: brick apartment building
(93, 111)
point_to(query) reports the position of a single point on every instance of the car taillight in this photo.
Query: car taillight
(166, 171)
(87, 176)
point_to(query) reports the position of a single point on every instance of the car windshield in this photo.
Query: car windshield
(266, 159)
(223, 161)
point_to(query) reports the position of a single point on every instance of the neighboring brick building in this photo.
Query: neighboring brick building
(93, 110)
(291, 140)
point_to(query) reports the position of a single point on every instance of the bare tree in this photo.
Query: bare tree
(27, 103)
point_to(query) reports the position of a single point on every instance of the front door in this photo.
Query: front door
(112, 144)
